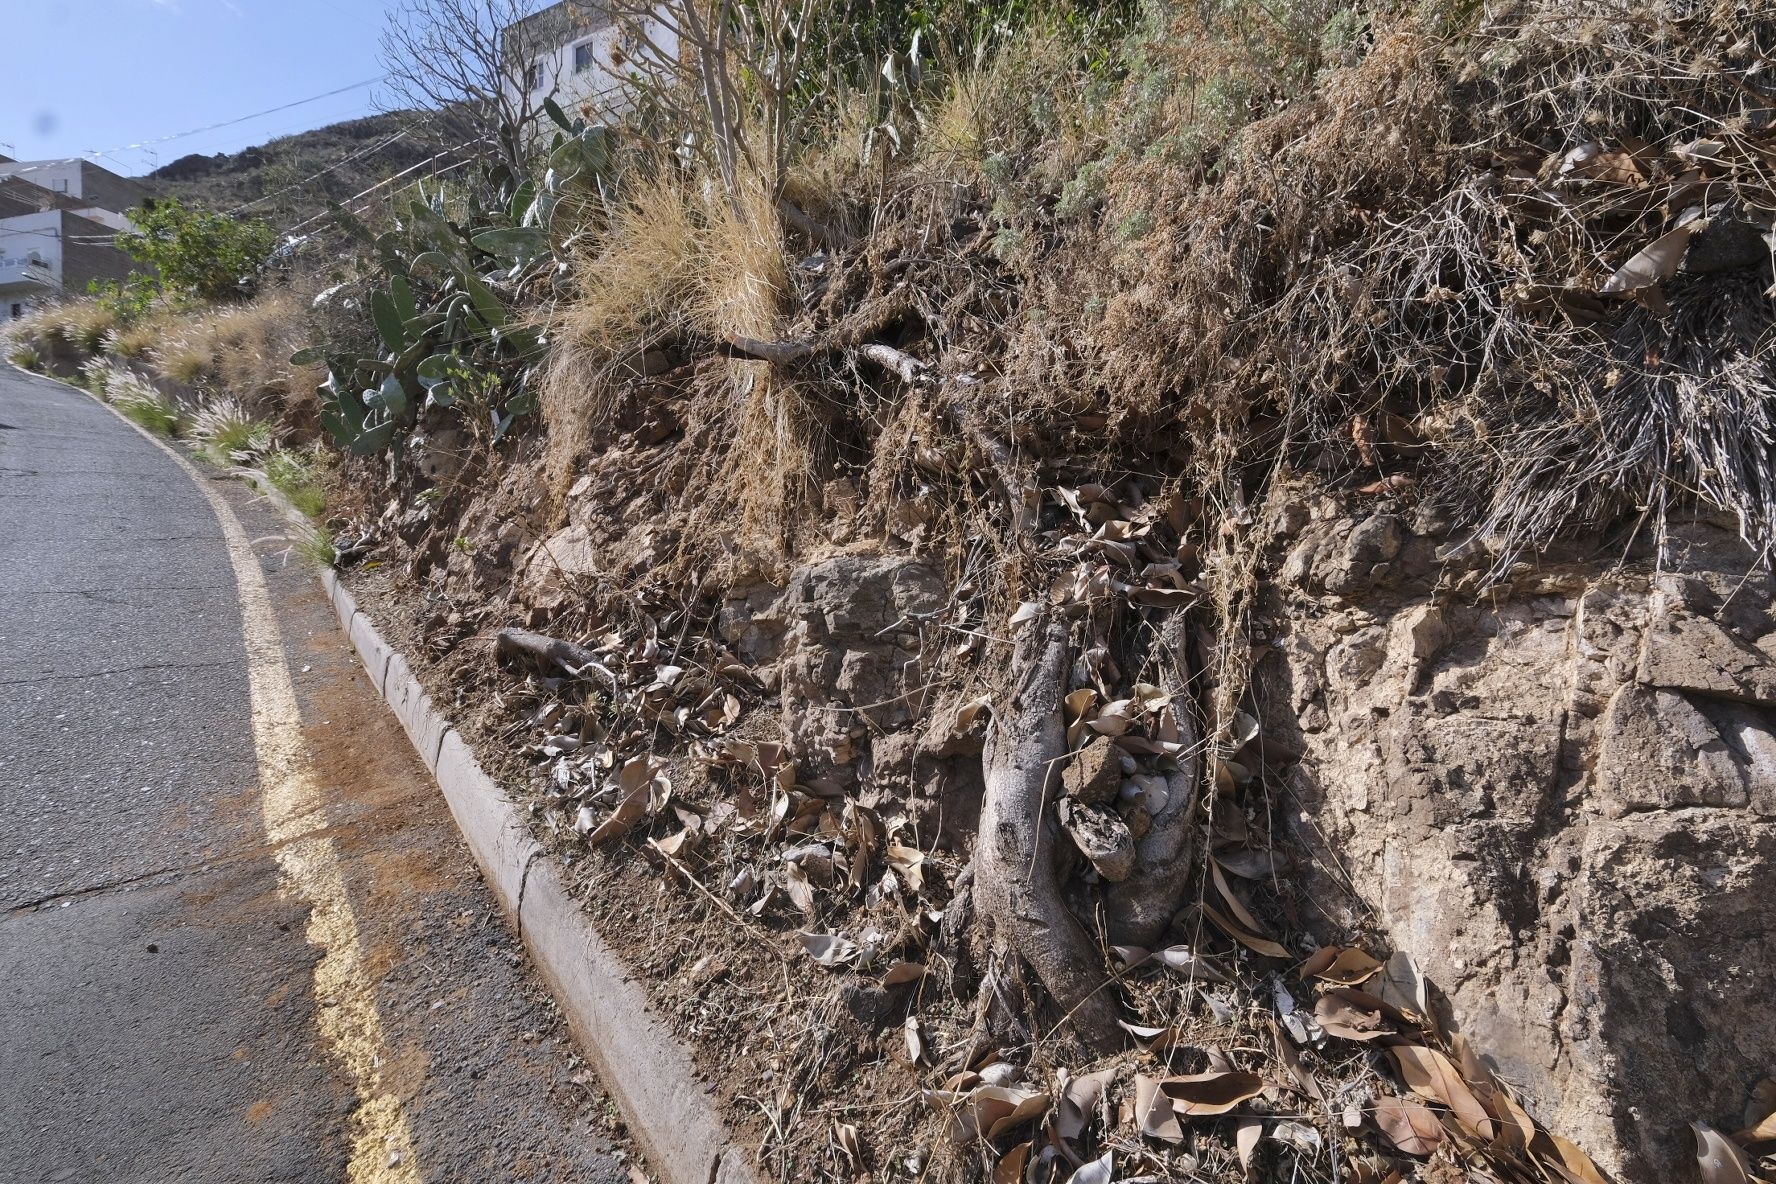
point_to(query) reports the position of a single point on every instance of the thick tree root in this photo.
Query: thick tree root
(1020, 852)
(1140, 908)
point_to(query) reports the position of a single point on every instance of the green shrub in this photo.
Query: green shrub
(198, 254)
(25, 356)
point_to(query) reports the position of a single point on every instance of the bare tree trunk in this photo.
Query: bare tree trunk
(1139, 909)
(1018, 858)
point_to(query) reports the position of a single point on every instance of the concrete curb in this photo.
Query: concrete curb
(651, 1076)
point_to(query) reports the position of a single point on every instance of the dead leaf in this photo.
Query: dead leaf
(1574, 1163)
(1113, 719)
(1408, 1126)
(1245, 1141)
(1653, 264)
(1402, 985)
(629, 811)
(1248, 864)
(1191, 964)
(910, 863)
(1235, 906)
(1029, 610)
(1010, 1168)
(1429, 1074)
(801, 892)
(1154, 1113)
(1718, 1158)
(1259, 945)
(1096, 1172)
(845, 1135)
(915, 1039)
(1026, 1105)
(1155, 1040)
(1350, 1019)
(829, 949)
(1078, 1102)
(1302, 1136)
(1348, 968)
(1760, 1113)
(903, 972)
(1199, 1095)
(1292, 1061)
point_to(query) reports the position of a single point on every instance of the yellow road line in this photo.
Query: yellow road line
(294, 814)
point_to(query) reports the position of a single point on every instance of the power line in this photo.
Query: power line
(391, 180)
(338, 164)
(196, 131)
(244, 118)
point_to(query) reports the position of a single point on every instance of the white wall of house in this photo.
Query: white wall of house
(592, 74)
(109, 218)
(30, 261)
(57, 176)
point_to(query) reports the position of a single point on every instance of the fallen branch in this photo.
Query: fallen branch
(910, 370)
(545, 651)
(778, 353)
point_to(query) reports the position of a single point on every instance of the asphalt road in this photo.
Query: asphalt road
(159, 1014)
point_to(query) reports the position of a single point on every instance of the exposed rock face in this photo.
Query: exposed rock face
(1562, 802)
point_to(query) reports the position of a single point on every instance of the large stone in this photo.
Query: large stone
(1564, 806)
(845, 632)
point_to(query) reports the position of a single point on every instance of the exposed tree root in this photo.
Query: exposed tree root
(1020, 857)
(1139, 908)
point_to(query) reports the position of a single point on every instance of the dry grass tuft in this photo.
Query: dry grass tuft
(680, 269)
(242, 351)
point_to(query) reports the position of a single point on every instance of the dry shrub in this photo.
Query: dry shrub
(135, 341)
(66, 333)
(243, 351)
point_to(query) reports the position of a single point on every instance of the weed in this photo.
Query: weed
(1008, 244)
(315, 545)
(301, 475)
(89, 323)
(181, 361)
(227, 434)
(137, 399)
(95, 375)
(1134, 226)
(134, 342)
(26, 357)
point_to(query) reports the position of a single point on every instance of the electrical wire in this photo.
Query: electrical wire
(196, 131)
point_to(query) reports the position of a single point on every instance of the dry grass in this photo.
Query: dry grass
(242, 351)
(135, 342)
(679, 269)
(70, 332)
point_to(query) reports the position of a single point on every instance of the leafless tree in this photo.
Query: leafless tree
(469, 63)
(715, 44)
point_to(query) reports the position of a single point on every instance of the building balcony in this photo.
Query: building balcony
(27, 273)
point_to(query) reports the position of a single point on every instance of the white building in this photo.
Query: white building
(576, 53)
(58, 222)
(93, 192)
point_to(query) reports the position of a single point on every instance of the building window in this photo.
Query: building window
(533, 76)
(584, 57)
(18, 310)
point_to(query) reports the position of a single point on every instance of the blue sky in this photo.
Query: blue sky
(144, 69)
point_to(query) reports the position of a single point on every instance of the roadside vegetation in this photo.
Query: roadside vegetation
(1062, 300)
